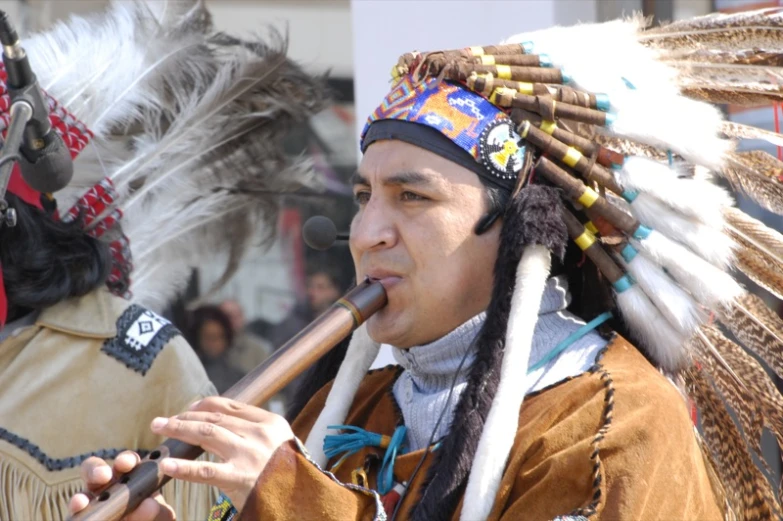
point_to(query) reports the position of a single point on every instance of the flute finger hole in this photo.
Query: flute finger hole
(104, 496)
(124, 479)
(155, 454)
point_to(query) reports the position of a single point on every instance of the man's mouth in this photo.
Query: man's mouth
(387, 279)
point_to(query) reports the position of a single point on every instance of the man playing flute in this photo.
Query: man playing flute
(520, 259)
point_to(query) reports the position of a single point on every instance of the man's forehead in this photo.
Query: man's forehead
(403, 177)
(396, 163)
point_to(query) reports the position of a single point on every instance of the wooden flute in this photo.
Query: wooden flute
(258, 386)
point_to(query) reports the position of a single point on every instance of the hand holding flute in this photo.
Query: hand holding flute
(244, 437)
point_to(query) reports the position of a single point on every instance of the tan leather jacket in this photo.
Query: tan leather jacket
(87, 378)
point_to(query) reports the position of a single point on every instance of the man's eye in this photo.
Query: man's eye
(410, 196)
(361, 197)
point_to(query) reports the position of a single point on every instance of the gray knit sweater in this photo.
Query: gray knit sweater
(422, 390)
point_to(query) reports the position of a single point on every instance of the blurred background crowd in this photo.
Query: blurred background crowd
(280, 289)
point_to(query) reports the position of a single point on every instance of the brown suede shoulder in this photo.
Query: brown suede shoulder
(374, 391)
(614, 443)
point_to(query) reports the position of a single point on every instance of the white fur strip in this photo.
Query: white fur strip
(709, 243)
(708, 284)
(362, 350)
(672, 301)
(500, 429)
(666, 346)
(697, 198)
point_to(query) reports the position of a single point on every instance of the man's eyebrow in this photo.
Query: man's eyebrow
(358, 179)
(402, 178)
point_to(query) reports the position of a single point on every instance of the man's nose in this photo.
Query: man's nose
(373, 227)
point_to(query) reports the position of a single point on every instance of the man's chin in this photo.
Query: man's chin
(385, 328)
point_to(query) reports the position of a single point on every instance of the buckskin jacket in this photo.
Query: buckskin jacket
(86, 378)
(613, 443)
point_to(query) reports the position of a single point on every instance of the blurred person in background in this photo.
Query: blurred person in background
(324, 287)
(212, 336)
(248, 350)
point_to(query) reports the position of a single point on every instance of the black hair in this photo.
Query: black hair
(45, 260)
(201, 316)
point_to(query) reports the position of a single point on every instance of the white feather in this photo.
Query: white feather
(710, 243)
(695, 198)
(497, 437)
(187, 124)
(104, 64)
(709, 285)
(663, 342)
(621, 56)
(673, 303)
(362, 350)
(659, 121)
(652, 111)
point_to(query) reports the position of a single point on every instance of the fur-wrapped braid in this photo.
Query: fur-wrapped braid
(533, 217)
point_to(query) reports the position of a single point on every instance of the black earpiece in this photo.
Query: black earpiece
(486, 222)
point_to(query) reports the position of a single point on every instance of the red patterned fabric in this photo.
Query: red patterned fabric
(97, 200)
(92, 205)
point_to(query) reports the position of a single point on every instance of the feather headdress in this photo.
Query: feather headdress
(188, 125)
(626, 129)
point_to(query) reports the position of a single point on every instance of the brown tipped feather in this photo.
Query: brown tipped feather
(728, 39)
(767, 17)
(748, 491)
(760, 269)
(756, 174)
(745, 95)
(753, 376)
(733, 391)
(629, 147)
(739, 131)
(759, 328)
(755, 57)
(752, 231)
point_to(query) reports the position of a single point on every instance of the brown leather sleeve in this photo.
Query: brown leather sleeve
(292, 488)
(650, 465)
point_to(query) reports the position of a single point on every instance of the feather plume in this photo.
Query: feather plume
(626, 147)
(761, 269)
(740, 131)
(731, 92)
(733, 390)
(754, 378)
(622, 56)
(666, 346)
(752, 231)
(236, 125)
(759, 328)
(766, 17)
(754, 29)
(78, 62)
(757, 57)
(642, 120)
(189, 124)
(672, 302)
(695, 198)
(709, 285)
(748, 491)
(645, 112)
(757, 175)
